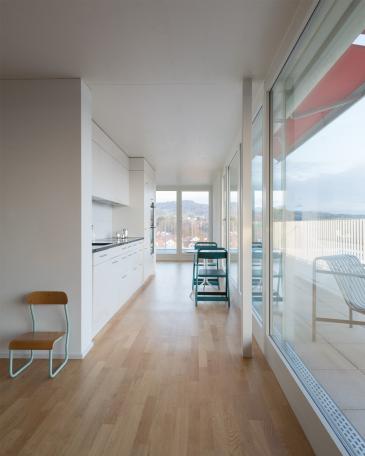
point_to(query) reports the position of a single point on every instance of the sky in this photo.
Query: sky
(201, 197)
(327, 172)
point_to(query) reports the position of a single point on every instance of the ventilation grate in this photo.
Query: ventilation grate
(344, 430)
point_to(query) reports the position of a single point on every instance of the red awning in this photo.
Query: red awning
(338, 85)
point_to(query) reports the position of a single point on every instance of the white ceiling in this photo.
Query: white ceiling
(165, 75)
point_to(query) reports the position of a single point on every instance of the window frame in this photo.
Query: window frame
(181, 255)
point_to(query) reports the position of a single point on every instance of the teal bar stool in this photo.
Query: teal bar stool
(37, 340)
(220, 255)
(203, 245)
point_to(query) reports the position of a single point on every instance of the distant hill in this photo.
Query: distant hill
(190, 208)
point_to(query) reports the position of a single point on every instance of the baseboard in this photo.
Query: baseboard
(125, 305)
(44, 354)
(85, 352)
(175, 258)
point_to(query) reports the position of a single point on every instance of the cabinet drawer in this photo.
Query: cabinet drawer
(101, 257)
(105, 255)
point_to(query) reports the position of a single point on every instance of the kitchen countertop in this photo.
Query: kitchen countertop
(114, 243)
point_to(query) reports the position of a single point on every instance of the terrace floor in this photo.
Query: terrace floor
(337, 357)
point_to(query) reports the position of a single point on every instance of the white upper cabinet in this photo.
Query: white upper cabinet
(110, 170)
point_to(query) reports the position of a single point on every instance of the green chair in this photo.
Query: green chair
(220, 256)
(198, 246)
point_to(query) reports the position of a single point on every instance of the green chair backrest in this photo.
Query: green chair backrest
(205, 245)
(212, 254)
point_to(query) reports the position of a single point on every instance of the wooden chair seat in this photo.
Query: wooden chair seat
(35, 341)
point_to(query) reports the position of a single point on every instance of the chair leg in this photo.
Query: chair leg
(314, 309)
(53, 373)
(192, 282)
(350, 318)
(196, 286)
(21, 369)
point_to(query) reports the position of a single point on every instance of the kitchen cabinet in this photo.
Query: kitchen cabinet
(110, 170)
(117, 275)
(137, 217)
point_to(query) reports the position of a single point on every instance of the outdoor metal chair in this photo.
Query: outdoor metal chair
(349, 274)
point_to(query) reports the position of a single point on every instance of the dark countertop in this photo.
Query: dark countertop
(114, 243)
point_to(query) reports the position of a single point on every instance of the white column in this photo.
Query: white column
(246, 220)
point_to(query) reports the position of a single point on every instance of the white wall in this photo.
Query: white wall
(45, 205)
(217, 208)
(102, 220)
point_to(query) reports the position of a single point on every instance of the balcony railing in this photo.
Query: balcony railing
(309, 239)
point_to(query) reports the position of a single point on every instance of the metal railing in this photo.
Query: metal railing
(309, 239)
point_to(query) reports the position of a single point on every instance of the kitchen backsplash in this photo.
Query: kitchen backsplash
(102, 220)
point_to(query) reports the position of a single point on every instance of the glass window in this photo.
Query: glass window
(234, 214)
(318, 213)
(195, 218)
(166, 221)
(257, 187)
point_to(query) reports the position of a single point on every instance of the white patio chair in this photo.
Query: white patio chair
(349, 274)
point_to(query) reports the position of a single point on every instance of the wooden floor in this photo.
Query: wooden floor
(163, 378)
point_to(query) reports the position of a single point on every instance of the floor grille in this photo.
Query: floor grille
(345, 431)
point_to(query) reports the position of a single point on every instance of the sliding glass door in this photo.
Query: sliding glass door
(318, 215)
(183, 217)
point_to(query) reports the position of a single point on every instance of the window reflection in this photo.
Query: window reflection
(257, 187)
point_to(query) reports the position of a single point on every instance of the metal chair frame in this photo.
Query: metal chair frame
(219, 254)
(52, 373)
(206, 245)
(351, 263)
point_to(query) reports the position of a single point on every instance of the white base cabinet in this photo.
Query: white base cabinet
(117, 274)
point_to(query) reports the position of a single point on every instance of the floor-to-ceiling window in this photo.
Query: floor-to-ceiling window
(195, 221)
(166, 221)
(318, 215)
(183, 217)
(257, 214)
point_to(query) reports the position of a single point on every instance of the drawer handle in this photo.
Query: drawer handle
(115, 261)
(104, 255)
(125, 275)
(123, 258)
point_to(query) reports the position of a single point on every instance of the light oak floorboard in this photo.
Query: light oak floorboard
(164, 378)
